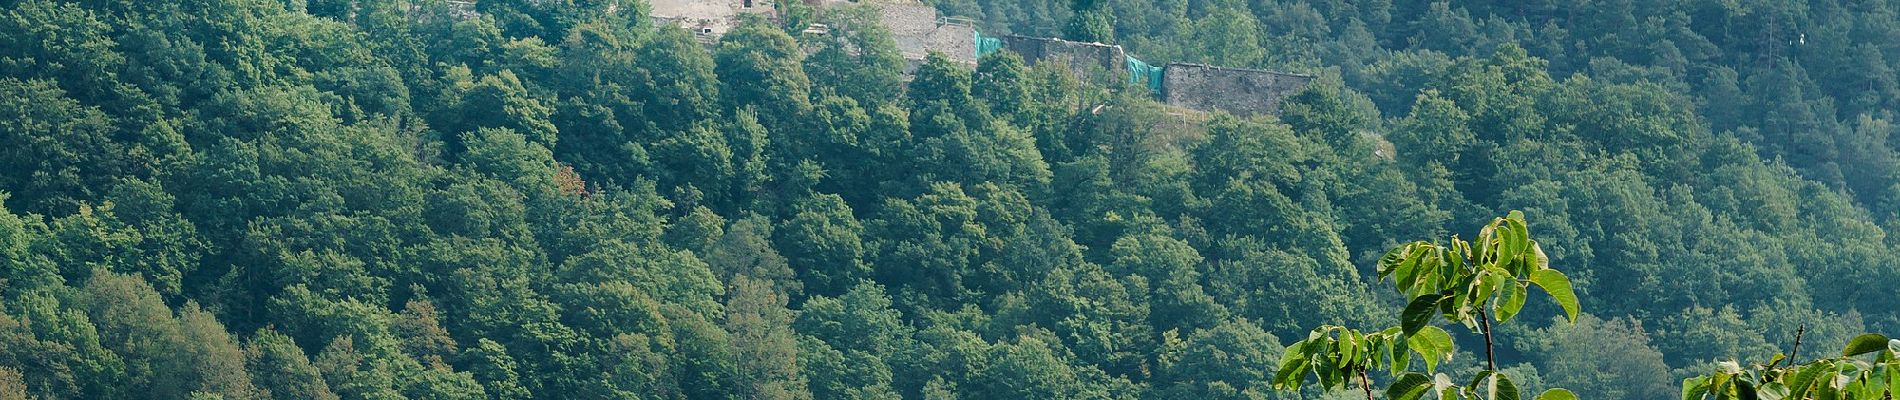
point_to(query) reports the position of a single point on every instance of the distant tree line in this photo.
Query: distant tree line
(382, 199)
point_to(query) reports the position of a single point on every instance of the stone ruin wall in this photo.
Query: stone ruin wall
(918, 31)
(1087, 61)
(708, 19)
(1238, 91)
(1194, 86)
(955, 41)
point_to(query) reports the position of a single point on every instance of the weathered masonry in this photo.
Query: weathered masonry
(918, 31)
(1193, 86)
(1236, 90)
(709, 19)
(1090, 61)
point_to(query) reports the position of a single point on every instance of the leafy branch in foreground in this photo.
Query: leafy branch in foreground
(1476, 284)
(1850, 376)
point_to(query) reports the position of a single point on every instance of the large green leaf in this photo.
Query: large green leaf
(1401, 351)
(1507, 246)
(1558, 286)
(1695, 388)
(1773, 391)
(1432, 344)
(1893, 377)
(1495, 386)
(1436, 273)
(1804, 380)
(1293, 366)
(1389, 263)
(1419, 314)
(1513, 301)
(1826, 390)
(1412, 386)
(1556, 394)
(1864, 344)
(1516, 238)
(1327, 367)
(1503, 389)
(1483, 285)
(1486, 243)
(1455, 253)
(1442, 385)
(1543, 261)
(1348, 347)
(1478, 380)
(1406, 275)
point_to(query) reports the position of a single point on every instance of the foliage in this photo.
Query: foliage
(1475, 285)
(1868, 368)
(529, 199)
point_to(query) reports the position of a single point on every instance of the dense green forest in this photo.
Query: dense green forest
(552, 199)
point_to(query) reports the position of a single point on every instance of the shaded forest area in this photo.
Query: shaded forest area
(385, 199)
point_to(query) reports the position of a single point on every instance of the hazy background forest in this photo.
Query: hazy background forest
(387, 199)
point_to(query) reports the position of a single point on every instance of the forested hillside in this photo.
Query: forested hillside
(554, 199)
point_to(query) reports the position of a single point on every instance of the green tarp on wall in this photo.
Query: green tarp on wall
(1139, 73)
(986, 45)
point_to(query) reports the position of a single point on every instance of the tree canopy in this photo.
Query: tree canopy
(523, 199)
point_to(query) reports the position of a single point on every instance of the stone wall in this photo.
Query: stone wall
(918, 31)
(1236, 90)
(956, 41)
(708, 18)
(1088, 61)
